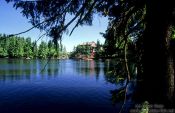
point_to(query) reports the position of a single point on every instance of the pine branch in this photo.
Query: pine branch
(81, 19)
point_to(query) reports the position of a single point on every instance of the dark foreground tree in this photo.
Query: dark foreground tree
(146, 22)
(158, 60)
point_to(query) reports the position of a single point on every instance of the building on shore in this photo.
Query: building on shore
(86, 50)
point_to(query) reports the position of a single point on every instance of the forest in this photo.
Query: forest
(20, 47)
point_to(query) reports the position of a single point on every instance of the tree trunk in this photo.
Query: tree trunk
(158, 69)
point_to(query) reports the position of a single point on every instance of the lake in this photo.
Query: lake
(56, 86)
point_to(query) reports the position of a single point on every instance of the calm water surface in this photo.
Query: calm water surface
(64, 86)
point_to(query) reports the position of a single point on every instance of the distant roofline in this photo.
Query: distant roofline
(92, 43)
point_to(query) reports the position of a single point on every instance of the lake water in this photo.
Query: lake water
(63, 86)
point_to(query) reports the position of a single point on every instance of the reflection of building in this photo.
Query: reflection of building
(90, 46)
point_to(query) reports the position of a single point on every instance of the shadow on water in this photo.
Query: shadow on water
(67, 86)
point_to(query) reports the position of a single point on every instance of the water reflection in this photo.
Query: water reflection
(85, 85)
(114, 74)
(48, 68)
(88, 68)
(15, 69)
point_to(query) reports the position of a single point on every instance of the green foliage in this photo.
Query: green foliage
(117, 95)
(18, 47)
(145, 107)
(34, 49)
(173, 32)
(4, 44)
(43, 50)
(81, 50)
(99, 50)
(51, 49)
(28, 48)
(12, 47)
(88, 49)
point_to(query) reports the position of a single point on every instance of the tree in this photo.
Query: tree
(28, 48)
(64, 51)
(156, 40)
(4, 44)
(147, 22)
(51, 49)
(34, 49)
(98, 50)
(12, 47)
(43, 50)
(19, 47)
(151, 30)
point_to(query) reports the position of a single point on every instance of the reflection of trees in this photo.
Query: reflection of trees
(88, 68)
(52, 68)
(18, 69)
(49, 67)
(13, 69)
(97, 69)
(85, 67)
(116, 74)
(123, 94)
(113, 73)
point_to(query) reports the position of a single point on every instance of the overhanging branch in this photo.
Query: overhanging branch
(81, 19)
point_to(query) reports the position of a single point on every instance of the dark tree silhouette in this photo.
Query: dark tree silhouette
(158, 64)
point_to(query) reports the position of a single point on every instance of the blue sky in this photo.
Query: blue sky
(12, 21)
